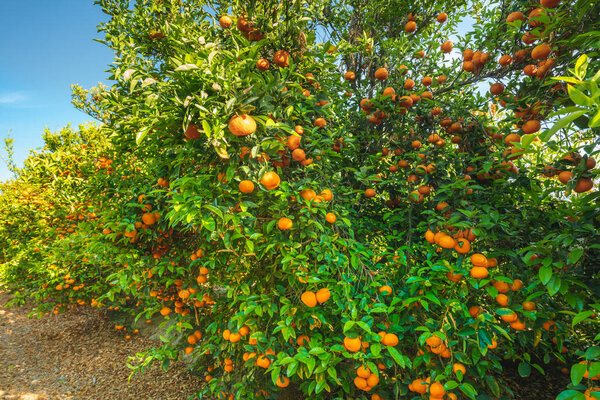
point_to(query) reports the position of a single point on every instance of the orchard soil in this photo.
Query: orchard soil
(80, 356)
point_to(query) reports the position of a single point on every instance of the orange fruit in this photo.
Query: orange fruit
(385, 290)
(270, 180)
(309, 299)
(283, 383)
(565, 176)
(326, 194)
(323, 295)
(285, 223)
(242, 125)
(479, 272)
(502, 299)
(459, 367)
(363, 372)
(541, 51)
(447, 242)
(353, 345)
(225, 21)
(529, 306)
(410, 27)
(390, 339)
(246, 186)
(514, 16)
(370, 193)
(479, 260)
(281, 58)
(442, 17)
(462, 246)
(474, 311)
(583, 185)
(262, 64)
(436, 389)
(320, 123)
(381, 74)
(429, 235)
(330, 217)
(433, 341)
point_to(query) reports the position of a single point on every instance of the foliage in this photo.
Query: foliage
(414, 236)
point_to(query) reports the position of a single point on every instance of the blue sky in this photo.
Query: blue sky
(46, 46)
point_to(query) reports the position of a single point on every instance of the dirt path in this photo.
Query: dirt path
(78, 356)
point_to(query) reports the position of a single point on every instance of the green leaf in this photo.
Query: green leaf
(142, 133)
(577, 372)
(524, 369)
(592, 353)
(581, 317)
(575, 255)
(561, 124)
(570, 395)
(396, 356)
(375, 349)
(595, 120)
(545, 274)
(208, 223)
(578, 97)
(581, 66)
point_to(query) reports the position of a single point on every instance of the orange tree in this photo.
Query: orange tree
(327, 201)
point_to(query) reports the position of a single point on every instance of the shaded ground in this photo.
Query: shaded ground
(78, 356)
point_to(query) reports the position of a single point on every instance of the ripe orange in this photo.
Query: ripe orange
(410, 27)
(385, 290)
(246, 186)
(192, 132)
(479, 272)
(529, 305)
(446, 47)
(474, 311)
(381, 74)
(353, 345)
(283, 383)
(323, 295)
(390, 339)
(429, 236)
(370, 193)
(349, 76)
(514, 16)
(502, 299)
(262, 64)
(447, 242)
(479, 260)
(270, 180)
(583, 185)
(565, 176)
(363, 372)
(320, 123)
(309, 299)
(459, 367)
(436, 390)
(330, 217)
(442, 17)
(281, 58)
(225, 21)
(242, 125)
(285, 223)
(531, 126)
(497, 88)
(463, 246)
(541, 51)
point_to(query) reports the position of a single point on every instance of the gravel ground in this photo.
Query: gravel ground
(78, 356)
